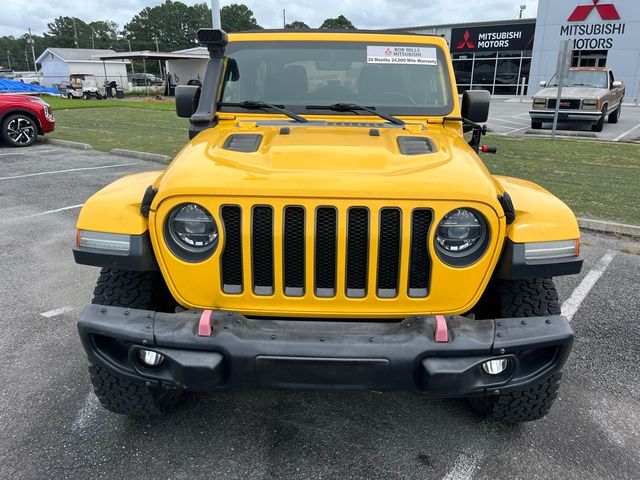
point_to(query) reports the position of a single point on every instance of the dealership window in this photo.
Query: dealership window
(589, 58)
(499, 72)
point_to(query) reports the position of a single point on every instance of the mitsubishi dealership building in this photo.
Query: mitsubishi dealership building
(511, 57)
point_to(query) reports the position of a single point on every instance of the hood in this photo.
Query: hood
(572, 92)
(330, 160)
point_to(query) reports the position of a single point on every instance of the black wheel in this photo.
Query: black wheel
(98, 96)
(514, 299)
(615, 115)
(599, 125)
(86, 95)
(70, 96)
(536, 125)
(145, 290)
(19, 130)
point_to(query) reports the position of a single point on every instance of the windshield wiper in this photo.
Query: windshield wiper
(258, 105)
(352, 107)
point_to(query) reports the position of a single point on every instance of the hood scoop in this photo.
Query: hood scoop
(415, 145)
(243, 142)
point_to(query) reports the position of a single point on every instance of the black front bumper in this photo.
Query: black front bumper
(304, 354)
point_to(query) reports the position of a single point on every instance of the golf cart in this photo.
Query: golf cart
(82, 85)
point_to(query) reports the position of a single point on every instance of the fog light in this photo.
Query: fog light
(150, 358)
(495, 367)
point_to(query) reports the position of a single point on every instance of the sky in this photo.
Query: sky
(18, 15)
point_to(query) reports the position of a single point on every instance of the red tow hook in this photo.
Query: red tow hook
(488, 149)
(442, 332)
(204, 326)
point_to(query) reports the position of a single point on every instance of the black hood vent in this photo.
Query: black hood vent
(415, 145)
(245, 142)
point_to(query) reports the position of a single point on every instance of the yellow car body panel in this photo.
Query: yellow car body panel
(540, 215)
(116, 208)
(338, 166)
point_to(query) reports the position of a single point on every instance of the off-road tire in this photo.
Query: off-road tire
(143, 290)
(519, 406)
(515, 299)
(615, 115)
(536, 125)
(599, 125)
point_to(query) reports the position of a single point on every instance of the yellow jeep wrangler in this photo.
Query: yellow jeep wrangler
(328, 226)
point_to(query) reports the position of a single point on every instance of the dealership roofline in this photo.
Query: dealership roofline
(463, 25)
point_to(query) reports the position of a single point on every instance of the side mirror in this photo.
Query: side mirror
(475, 105)
(187, 99)
(616, 84)
(543, 83)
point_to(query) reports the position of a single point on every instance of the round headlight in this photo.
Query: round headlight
(462, 237)
(191, 232)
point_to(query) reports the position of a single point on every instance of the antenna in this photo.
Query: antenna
(215, 14)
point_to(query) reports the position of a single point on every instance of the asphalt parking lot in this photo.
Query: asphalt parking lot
(53, 427)
(510, 117)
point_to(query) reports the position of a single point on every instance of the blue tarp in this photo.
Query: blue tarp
(13, 86)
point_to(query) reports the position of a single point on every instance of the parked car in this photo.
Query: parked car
(589, 95)
(140, 79)
(82, 85)
(328, 227)
(23, 118)
(29, 78)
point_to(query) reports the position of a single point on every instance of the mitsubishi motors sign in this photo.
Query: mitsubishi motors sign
(518, 36)
(587, 35)
(600, 32)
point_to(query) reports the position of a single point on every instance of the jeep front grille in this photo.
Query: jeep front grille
(367, 244)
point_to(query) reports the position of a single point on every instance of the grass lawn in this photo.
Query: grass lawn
(600, 180)
(145, 126)
(595, 179)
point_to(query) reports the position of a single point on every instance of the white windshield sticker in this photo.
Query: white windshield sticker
(406, 55)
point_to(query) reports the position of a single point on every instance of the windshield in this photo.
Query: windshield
(397, 79)
(578, 78)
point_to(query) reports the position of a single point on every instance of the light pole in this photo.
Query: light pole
(33, 54)
(522, 9)
(9, 59)
(93, 40)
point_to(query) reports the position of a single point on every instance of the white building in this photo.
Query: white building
(602, 34)
(58, 63)
(184, 70)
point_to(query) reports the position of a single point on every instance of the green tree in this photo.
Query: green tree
(105, 33)
(173, 23)
(68, 32)
(297, 25)
(338, 23)
(238, 18)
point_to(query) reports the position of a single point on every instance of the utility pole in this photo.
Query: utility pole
(159, 62)
(26, 59)
(93, 40)
(33, 54)
(9, 58)
(284, 18)
(75, 33)
(132, 68)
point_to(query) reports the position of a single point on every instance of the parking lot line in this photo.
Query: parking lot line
(54, 211)
(572, 304)
(620, 137)
(56, 311)
(463, 467)
(494, 119)
(68, 170)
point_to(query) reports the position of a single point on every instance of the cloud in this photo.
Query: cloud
(19, 15)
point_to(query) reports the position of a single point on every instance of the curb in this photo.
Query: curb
(562, 133)
(67, 143)
(612, 228)
(152, 157)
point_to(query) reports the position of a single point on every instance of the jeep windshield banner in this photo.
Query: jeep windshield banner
(493, 38)
(404, 54)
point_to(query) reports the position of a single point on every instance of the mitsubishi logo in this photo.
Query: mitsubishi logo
(607, 11)
(466, 42)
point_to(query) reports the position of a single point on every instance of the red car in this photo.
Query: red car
(23, 118)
